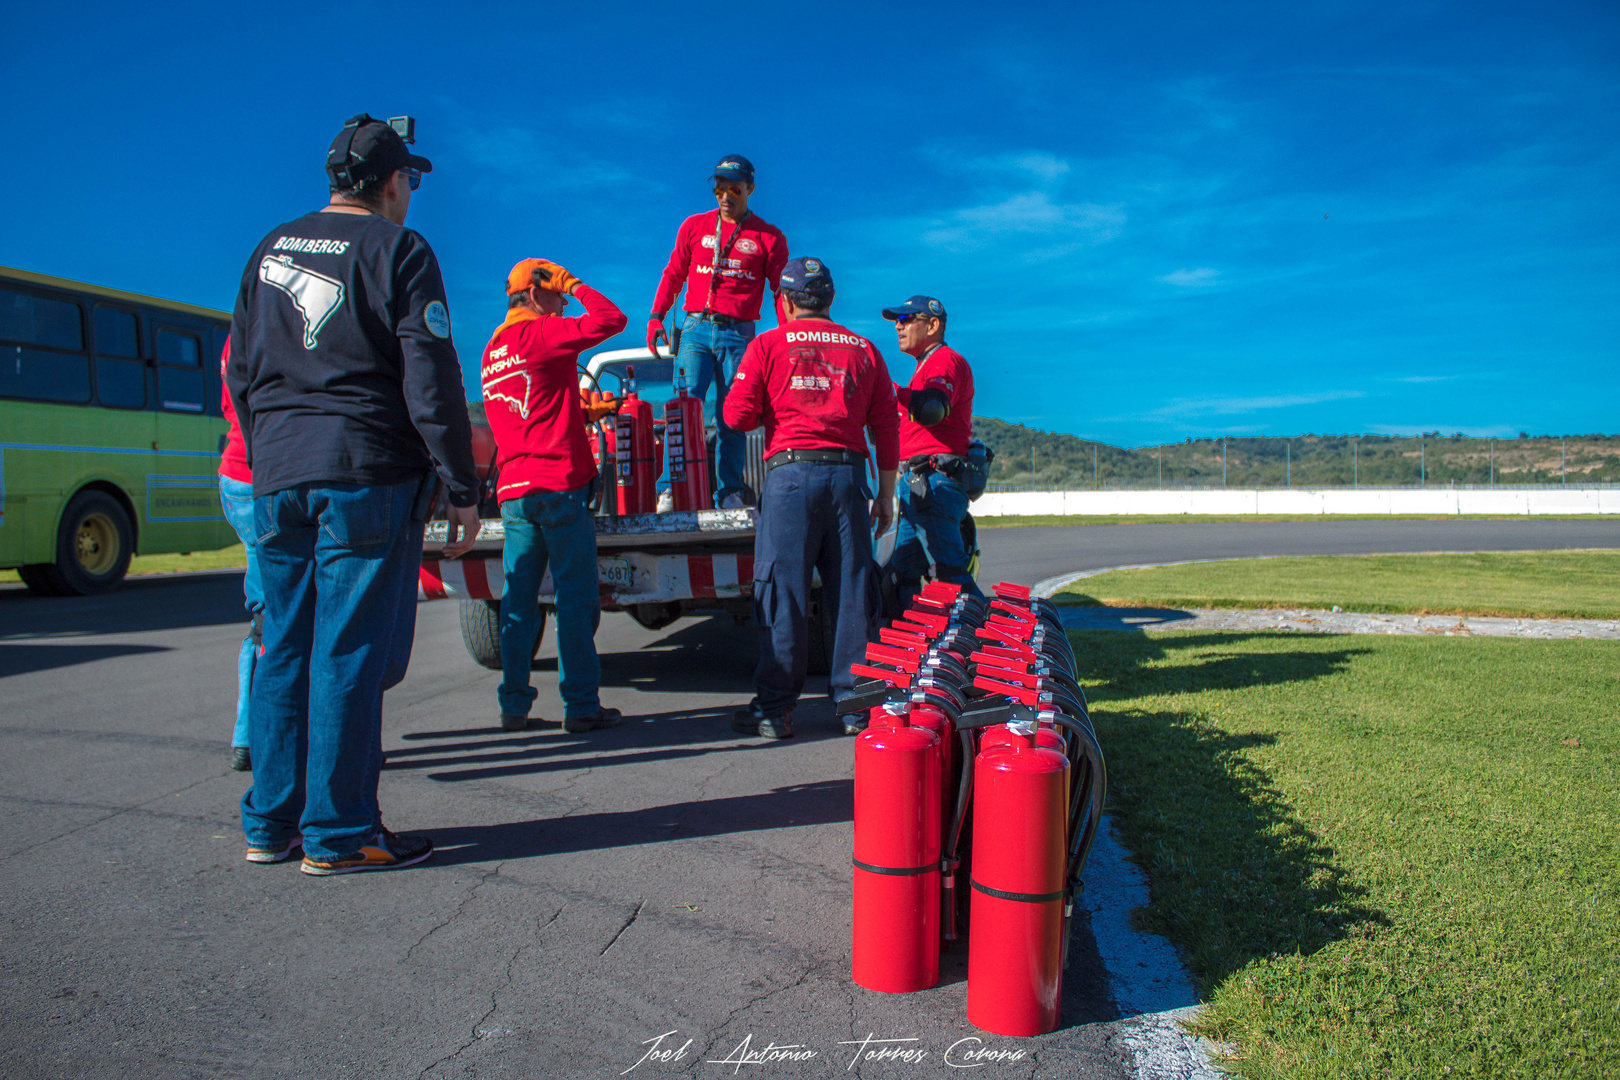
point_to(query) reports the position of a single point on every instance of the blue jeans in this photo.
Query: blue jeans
(554, 527)
(930, 531)
(236, 498)
(335, 561)
(711, 352)
(812, 516)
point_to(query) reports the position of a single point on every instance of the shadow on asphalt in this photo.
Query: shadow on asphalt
(823, 802)
(489, 752)
(1237, 874)
(140, 605)
(21, 659)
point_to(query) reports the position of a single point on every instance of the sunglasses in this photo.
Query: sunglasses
(728, 189)
(412, 177)
(902, 320)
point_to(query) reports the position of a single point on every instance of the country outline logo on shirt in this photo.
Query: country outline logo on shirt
(316, 296)
(519, 405)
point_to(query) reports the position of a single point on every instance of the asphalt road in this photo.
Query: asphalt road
(589, 894)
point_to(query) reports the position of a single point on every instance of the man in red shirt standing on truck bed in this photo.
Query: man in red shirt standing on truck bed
(817, 388)
(724, 258)
(544, 483)
(936, 425)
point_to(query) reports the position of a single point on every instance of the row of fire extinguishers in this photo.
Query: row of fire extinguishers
(978, 772)
(630, 448)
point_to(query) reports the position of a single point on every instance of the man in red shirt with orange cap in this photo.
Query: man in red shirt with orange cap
(545, 480)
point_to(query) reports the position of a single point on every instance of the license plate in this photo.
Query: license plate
(616, 572)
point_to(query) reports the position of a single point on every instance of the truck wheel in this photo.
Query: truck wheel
(821, 636)
(93, 545)
(38, 579)
(481, 631)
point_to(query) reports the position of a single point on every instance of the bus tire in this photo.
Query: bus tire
(39, 579)
(94, 543)
(481, 632)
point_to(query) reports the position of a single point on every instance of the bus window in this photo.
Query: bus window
(180, 377)
(34, 320)
(44, 376)
(216, 348)
(121, 383)
(116, 333)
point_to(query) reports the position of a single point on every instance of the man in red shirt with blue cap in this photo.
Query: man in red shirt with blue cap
(936, 425)
(817, 388)
(723, 258)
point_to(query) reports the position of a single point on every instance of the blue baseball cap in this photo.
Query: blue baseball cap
(807, 275)
(736, 168)
(917, 305)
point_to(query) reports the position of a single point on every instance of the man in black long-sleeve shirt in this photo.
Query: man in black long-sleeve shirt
(349, 394)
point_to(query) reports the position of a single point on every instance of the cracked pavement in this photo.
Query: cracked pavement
(588, 894)
(140, 944)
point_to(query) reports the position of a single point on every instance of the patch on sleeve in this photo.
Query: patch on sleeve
(437, 319)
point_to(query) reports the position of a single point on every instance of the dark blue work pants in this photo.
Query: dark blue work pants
(813, 516)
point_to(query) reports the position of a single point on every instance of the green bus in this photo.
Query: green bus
(110, 431)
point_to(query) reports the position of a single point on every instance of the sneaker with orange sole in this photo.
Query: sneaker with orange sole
(386, 851)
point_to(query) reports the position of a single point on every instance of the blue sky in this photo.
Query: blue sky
(1149, 221)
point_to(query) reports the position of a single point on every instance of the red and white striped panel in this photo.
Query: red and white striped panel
(653, 578)
(700, 576)
(466, 578)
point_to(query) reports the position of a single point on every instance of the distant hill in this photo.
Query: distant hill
(1065, 461)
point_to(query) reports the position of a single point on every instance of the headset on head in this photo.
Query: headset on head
(338, 164)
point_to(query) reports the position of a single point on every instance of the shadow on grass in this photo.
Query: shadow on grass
(1236, 875)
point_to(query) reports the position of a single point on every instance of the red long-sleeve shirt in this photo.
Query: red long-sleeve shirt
(531, 395)
(942, 368)
(754, 260)
(816, 386)
(233, 461)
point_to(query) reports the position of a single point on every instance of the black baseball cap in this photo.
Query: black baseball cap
(736, 168)
(917, 305)
(807, 276)
(368, 149)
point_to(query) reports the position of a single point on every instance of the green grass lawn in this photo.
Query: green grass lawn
(1014, 520)
(1544, 584)
(223, 559)
(1383, 856)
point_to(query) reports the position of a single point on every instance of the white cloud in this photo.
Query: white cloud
(514, 161)
(1056, 228)
(1039, 164)
(1478, 431)
(1238, 406)
(1192, 279)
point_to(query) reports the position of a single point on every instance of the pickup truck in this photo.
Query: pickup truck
(655, 568)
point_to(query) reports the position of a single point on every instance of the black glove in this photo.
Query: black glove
(929, 406)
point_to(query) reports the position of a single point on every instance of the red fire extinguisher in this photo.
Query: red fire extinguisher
(1015, 950)
(634, 450)
(687, 449)
(897, 826)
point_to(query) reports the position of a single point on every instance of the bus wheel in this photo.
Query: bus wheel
(40, 579)
(481, 632)
(93, 545)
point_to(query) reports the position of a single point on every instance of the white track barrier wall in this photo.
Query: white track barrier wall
(1426, 501)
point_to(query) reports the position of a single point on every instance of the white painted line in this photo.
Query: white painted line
(1146, 977)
